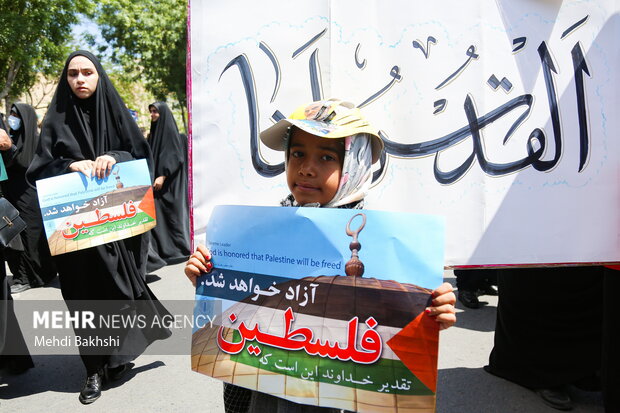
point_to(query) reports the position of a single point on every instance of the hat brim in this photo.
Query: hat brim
(274, 137)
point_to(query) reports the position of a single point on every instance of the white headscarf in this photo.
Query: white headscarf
(356, 171)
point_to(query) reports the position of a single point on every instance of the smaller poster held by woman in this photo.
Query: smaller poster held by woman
(80, 212)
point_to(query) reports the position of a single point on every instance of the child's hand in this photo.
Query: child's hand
(443, 306)
(199, 263)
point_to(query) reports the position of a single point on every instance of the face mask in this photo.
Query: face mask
(14, 122)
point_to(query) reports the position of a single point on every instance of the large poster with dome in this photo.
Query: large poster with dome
(323, 306)
(498, 115)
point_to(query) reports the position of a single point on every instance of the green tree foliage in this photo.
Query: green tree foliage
(134, 94)
(34, 38)
(148, 39)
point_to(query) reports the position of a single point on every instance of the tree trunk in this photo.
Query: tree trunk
(182, 105)
(10, 78)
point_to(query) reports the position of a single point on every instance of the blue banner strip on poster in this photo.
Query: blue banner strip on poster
(67, 208)
(236, 285)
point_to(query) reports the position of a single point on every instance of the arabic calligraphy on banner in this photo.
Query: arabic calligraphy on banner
(80, 212)
(295, 326)
(496, 115)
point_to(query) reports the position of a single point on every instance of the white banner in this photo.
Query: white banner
(499, 115)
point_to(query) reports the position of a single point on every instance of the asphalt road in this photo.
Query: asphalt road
(165, 383)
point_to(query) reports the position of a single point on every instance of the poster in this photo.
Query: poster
(80, 212)
(498, 115)
(295, 326)
(3, 175)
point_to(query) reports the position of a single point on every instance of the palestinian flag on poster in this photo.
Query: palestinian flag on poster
(347, 342)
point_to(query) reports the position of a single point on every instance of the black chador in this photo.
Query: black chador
(33, 265)
(170, 238)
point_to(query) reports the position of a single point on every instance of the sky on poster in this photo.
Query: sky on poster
(76, 186)
(395, 246)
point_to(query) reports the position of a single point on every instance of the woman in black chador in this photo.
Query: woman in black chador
(170, 238)
(32, 267)
(548, 333)
(14, 355)
(88, 128)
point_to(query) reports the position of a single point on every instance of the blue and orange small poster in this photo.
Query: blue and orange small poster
(81, 212)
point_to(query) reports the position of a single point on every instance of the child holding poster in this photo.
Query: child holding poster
(329, 149)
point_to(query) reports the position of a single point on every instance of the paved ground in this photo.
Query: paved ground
(166, 383)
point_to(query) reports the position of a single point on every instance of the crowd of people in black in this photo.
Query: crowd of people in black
(88, 129)
(555, 327)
